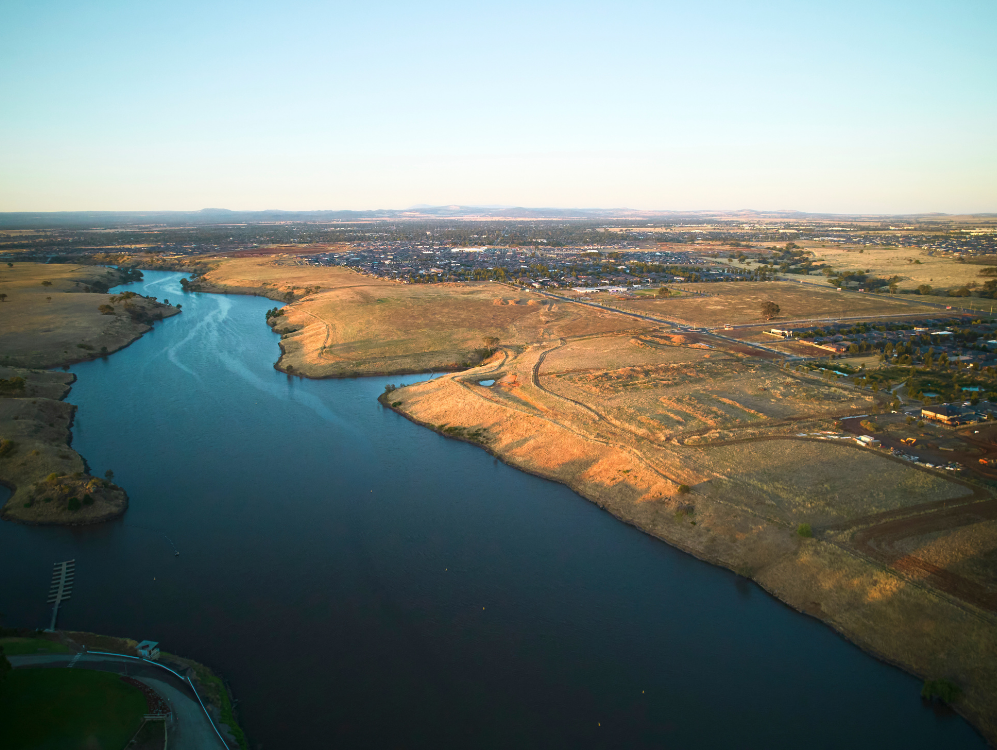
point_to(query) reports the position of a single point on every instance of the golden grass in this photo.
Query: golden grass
(888, 261)
(739, 303)
(45, 325)
(350, 324)
(37, 429)
(819, 482)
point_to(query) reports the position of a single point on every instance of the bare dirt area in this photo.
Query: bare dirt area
(701, 447)
(739, 303)
(53, 314)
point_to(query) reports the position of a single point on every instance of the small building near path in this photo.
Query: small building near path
(944, 413)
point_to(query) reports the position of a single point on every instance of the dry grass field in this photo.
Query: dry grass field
(689, 390)
(739, 303)
(346, 324)
(50, 314)
(35, 457)
(611, 416)
(820, 482)
(886, 261)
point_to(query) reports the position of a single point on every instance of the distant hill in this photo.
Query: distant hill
(209, 216)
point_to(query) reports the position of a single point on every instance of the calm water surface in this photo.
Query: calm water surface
(363, 582)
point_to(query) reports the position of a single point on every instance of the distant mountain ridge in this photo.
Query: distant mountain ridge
(208, 216)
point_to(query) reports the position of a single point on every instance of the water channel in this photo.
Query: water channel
(364, 582)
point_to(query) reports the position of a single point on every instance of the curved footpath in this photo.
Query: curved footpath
(190, 730)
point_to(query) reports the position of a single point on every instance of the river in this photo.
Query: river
(363, 582)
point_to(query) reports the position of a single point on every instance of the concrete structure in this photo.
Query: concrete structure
(148, 650)
(945, 413)
(62, 587)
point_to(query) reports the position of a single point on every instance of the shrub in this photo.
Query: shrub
(804, 530)
(88, 499)
(396, 404)
(74, 503)
(7, 447)
(52, 478)
(943, 690)
(683, 489)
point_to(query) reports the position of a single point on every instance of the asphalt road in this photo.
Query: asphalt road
(190, 729)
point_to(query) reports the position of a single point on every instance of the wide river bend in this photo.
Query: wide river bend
(364, 582)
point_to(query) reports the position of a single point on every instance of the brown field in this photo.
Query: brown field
(689, 390)
(627, 420)
(821, 482)
(739, 303)
(59, 323)
(345, 324)
(34, 444)
(886, 261)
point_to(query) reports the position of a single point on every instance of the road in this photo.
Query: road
(190, 729)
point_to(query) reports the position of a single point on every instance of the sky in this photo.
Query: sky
(841, 107)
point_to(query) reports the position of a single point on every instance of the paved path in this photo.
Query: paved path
(190, 730)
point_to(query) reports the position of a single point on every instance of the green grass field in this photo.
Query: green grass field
(67, 709)
(21, 646)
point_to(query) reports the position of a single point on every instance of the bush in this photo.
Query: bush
(88, 499)
(7, 447)
(943, 690)
(74, 503)
(804, 530)
(684, 488)
(396, 404)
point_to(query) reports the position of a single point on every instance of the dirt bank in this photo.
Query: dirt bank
(691, 499)
(48, 477)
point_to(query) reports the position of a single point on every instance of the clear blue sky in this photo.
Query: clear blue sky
(818, 106)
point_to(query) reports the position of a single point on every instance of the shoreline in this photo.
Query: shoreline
(36, 454)
(784, 595)
(219, 701)
(686, 549)
(812, 557)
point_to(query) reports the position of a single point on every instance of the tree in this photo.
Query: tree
(46, 283)
(106, 310)
(924, 289)
(944, 690)
(3, 297)
(662, 292)
(4, 665)
(769, 310)
(491, 341)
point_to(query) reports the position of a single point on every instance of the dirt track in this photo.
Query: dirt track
(879, 541)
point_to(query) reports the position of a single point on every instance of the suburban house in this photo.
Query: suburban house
(836, 348)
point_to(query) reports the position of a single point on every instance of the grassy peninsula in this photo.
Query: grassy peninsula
(56, 315)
